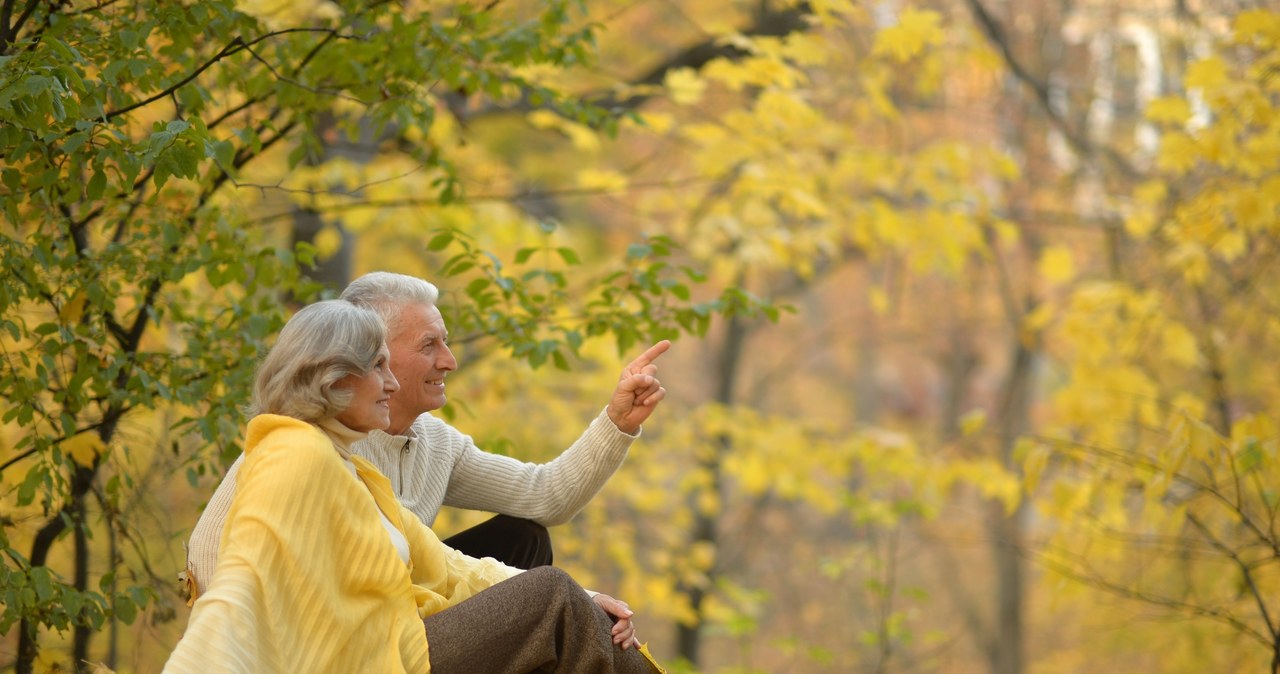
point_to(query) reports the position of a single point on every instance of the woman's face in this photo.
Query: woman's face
(370, 406)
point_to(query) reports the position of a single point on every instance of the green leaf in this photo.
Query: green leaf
(124, 608)
(569, 256)
(97, 185)
(440, 241)
(637, 251)
(42, 583)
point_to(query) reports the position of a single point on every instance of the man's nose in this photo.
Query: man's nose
(447, 362)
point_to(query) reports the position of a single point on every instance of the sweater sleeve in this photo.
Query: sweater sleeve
(202, 548)
(548, 493)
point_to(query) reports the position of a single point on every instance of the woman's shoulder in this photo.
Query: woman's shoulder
(271, 434)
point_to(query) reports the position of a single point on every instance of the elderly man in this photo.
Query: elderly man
(431, 464)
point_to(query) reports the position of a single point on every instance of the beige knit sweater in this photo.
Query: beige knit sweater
(435, 464)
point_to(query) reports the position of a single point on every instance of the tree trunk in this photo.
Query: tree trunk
(28, 632)
(705, 528)
(1005, 647)
(82, 634)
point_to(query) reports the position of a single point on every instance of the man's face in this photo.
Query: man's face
(420, 359)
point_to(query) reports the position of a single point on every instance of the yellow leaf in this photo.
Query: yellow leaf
(1258, 25)
(1039, 317)
(657, 122)
(708, 503)
(1191, 260)
(839, 7)
(1151, 192)
(1170, 110)
(1207, 74)
(879, 300)
(1057, 265)
(1033, 466)
(1231, 245)
(582, 137)
(327, 242)
(1006, 167)
(1139, 225)
(73, 309)
(685, 86)
(542, 119)
(704, 134)
(1252, 206)
(806, 49)
(1177, 153)
(916, 30)
(1179, 346)
(973, 421)
(703, 555)
(84, 447)
(602, 179)
(1203, 440)
(1007, 232)
(1188, 404)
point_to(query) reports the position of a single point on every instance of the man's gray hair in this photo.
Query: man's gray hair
(320, 345)
(386, 292)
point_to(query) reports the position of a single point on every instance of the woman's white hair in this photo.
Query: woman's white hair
(386, 292)
(320, 345)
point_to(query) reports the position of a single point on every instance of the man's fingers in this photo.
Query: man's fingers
(654, 398)
(638, 383)
(624, 633)
(649, 356)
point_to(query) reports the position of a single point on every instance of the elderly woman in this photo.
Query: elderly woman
(321, 569)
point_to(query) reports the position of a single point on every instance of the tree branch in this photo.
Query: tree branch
(767, 23)
(413, 202)
(6, 13)
(236, 45)
(996, 34)
(1258, 598)
(1087, 576)
(1135, 461)
(9, 32)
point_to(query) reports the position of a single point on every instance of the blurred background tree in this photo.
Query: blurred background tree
(983, 298)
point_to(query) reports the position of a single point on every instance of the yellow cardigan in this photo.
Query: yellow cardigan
(307, 579)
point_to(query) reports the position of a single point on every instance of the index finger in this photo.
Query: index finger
(651, 354)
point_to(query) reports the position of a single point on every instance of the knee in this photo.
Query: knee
(553, 582)
(549, 575)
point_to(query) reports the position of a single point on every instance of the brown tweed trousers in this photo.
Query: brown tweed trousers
(539, 621)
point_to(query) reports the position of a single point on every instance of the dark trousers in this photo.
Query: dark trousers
(516, 542)
(539, 621)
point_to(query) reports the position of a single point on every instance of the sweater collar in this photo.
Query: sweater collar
(409, 434)
(341, 435)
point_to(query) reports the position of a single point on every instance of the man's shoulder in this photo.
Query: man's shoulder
(428, 424)
(437, 435)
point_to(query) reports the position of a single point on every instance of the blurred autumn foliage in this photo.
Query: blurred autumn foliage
(974, 305)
